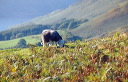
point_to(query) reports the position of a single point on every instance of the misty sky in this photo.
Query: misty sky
(18, 11)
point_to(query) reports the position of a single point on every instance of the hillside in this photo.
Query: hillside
(82, 9)
(106, 22)
(99, 16)
(100, 60)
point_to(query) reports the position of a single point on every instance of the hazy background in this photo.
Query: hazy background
(18, 11)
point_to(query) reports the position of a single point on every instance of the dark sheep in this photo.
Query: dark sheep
(49, 36)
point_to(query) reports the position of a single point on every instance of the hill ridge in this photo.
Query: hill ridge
(71, 12)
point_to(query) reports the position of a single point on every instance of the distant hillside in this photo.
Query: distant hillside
(84, 19)
(63, 26)
(82, 9)
(106, 22)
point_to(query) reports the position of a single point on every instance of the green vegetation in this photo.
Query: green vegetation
(100, 60)
(37, 29)
(11, 43)
(69, 24)
(22, 32)
(21, 44)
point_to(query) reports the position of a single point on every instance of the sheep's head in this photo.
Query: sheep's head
(60, 43)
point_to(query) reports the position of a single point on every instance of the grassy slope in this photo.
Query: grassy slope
(11, 43)
(106, 22)
(103, 59)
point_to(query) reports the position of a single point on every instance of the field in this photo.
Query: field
(97, 60)
(11, 43)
